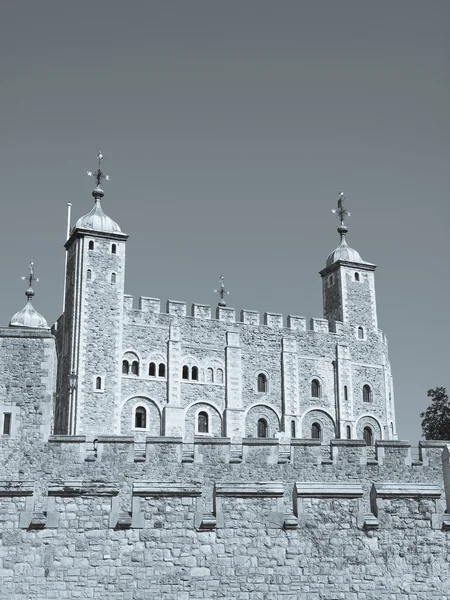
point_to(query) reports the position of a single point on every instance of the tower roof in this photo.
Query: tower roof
(343, 251)
(96, 219)
(28, 316)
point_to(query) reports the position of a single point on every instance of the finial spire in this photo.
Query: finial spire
(341, 212)
(222, 291)
(98, 175)
(31, 279)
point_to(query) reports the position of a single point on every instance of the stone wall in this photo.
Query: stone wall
(270, 519)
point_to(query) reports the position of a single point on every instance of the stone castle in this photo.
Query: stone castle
(148, 454)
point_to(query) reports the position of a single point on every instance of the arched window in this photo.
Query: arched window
(161, 370)
(263, 429)
(185, 374)
(360, 333)
(88, 274)
(367, 393)
(113, 249)
(135, 367)
(209, 375)
(125, 367)
(91, 245)
(202, 422)
(316, 431)
(219, 376)
(98, 383)
(6, 430)
(368, 436)
(262, 382)
(356, 276)
(140, 418)
(349, 432)
(152, 369)
(195, 373)
(293, 429)
(113, 278)
(315, 388)
(345, 393)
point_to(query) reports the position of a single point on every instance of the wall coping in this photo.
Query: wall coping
(66, 439)
(16, 488)
(212, 441)
(249, 441)
(250, 490)
(433, 443)
(328, 489)
(75, 487)
(349, 443)
(405, 490)
(154, 488)
(115, 439)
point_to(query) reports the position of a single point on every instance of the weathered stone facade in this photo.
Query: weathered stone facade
(152, 454)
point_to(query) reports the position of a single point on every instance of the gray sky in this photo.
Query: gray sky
(228, 128)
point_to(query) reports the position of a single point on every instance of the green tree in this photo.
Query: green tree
(436, 419)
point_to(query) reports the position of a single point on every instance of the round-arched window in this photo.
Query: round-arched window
(368, 436)
(202, 422)
(315, 388)
(316, 431)
(140, 418)
(263, 428)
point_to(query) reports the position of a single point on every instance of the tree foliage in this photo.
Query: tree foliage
(436, 418)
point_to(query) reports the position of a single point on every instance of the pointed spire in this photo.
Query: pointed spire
(222, 291)
(28, 316)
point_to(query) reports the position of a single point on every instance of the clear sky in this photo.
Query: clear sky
(228, 129)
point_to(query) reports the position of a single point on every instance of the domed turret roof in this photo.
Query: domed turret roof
(344, 252)
(29, 316)
(96, 219)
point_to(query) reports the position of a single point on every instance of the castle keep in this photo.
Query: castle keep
(159, 454)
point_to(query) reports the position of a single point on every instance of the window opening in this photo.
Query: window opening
(293, 429)
(88, 274)
(367, 393)
(91, 245)
(209, 375)
(368, 436)
(316, 431)
(349, 432)
(195, 373)
(162, 370)
(114, 249)
(356, 276)
(152, 369)
(345, 393)
(113, 278)
(202, 422)
(360, 333)
(185, 374)
(219, 376)
(125, 367)
(140, 418)
(262, 382)
(7, 423)
(135, 367)
(315, 388)
(263, 429)
(98, 383)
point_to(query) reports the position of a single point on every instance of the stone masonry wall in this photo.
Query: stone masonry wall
(267, 519)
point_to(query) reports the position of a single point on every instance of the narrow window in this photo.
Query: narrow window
(185, 372)
(98, 383)
(113, 249)
(356, 276)
(360, 333)
(135, 367)
(263, 429)
(88, 274)
(368, 436)
(125, 367)
(219, 376)
(140, 418)
(91, 245)
(161, 370)
(316, 431)
(315, 388)
(262, 382)
(293, 429)
(367, 393)
(195, 373)
(152, 369)
(202, 422)
(349, 432)
(331, 280)
(209, 375)
(6, 423)
(113, 278)
(345, 393)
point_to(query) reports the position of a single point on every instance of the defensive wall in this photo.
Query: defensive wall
(123, 517)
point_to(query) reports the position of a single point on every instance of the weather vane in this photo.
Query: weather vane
(31, 278)
(341, 211)
(98, 174)
(222, 291)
